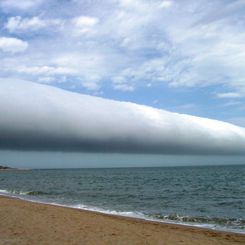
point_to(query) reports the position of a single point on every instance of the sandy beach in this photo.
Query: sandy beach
(23, 222)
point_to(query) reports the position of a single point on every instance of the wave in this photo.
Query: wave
(228, 222)
(132, 214)
(28, 193)
(224, 224)
(216, 223)
(3, 192)
(36, 193)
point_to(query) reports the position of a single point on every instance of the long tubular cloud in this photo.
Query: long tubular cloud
(44, 118)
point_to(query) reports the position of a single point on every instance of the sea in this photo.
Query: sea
(203, 196)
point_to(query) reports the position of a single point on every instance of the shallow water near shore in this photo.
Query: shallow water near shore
(212, 197)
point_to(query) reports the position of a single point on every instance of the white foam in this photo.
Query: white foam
(130, 214)
(3, 191)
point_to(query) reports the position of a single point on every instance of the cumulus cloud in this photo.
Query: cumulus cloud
(12, 45)
(18, 24)
(83, 25)
(41, 117)
(177, 43)
(85, 21)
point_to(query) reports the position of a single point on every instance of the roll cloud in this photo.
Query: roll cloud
(44, 118)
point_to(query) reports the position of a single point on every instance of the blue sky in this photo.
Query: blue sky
(183, 56)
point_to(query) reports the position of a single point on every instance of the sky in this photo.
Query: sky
(178, 56)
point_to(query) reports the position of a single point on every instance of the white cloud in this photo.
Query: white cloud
(44, 70)
(84, 25)
(191, 46)
(91, 85)
(87, 69)
(166, 4)
(214, 44)
(40, 117)
(85, 21)
(123, 87)
(12, 45)
(130, 3)
(19, 24)
(229, 95)
(233, 103)
(185, 108)
(16, 24)
(181, 44)
(21, 5)
(46, 79)
(119, 83)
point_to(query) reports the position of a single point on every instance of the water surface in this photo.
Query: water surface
(203, 196)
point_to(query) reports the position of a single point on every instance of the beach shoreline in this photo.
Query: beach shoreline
(27, 222)
(122, 215)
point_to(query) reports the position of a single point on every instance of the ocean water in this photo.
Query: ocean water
(211, 197)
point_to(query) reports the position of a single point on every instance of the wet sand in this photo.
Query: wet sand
(23, 222)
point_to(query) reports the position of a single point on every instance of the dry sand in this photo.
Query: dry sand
(23, 222)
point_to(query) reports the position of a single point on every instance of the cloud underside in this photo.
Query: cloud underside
(43, 118)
